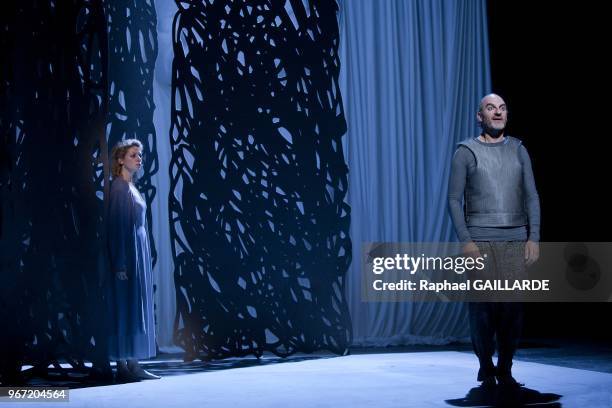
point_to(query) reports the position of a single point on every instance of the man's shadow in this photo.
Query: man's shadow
(500, 396)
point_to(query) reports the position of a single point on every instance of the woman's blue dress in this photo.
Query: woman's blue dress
(132, 324)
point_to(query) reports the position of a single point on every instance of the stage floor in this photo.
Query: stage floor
(416, 379)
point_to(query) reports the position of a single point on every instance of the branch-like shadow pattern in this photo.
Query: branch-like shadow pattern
(59, 109)
(259, 225)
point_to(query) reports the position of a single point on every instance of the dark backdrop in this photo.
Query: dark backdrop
(546, 61)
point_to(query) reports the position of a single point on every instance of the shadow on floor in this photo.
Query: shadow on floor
(81, 378)
(506, 397)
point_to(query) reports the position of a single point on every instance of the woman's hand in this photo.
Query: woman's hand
(122, 275)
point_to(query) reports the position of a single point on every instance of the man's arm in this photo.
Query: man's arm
(463, 161)
(532, 200)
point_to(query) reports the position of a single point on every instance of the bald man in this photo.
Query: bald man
(492, 174)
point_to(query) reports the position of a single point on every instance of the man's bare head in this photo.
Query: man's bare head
(492, 114)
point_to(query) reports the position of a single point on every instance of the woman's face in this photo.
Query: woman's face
(132, 161)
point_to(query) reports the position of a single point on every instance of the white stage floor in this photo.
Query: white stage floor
(427, 379)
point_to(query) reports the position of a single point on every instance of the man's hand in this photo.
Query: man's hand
(122, 275)
(532, 252)
(471, 250)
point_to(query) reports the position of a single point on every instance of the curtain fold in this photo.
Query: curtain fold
(412, 73)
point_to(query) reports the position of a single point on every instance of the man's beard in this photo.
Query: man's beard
(493, 132)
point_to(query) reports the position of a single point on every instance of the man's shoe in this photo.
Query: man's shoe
(488, 382)
(508, 381)
(485, 372)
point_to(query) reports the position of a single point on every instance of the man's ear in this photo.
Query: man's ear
(479, 116)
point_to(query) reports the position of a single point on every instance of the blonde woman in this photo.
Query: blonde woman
(132, 326)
